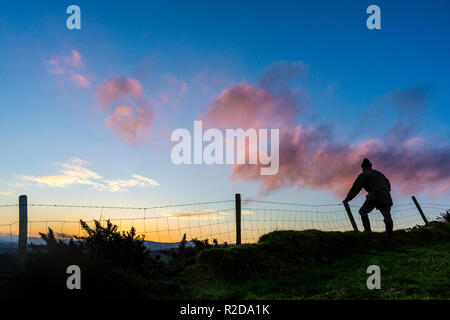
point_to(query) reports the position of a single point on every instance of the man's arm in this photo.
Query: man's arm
(356, 188)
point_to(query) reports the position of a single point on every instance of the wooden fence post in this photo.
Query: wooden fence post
(350, 216)
(238, 218)
(23, 232)
(420, 210)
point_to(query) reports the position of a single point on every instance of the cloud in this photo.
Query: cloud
(257, 108)
(308, 158)
(397, 113)
(79, 80)
(136, 181)
(54, 67)
(128, 123)
(71, 173)
(117, 88)
(74, 60)
(74, 173)
(309, 155)
(68, 68)
(132, 121)
(270, 105)
(6, 193)
(201, 214)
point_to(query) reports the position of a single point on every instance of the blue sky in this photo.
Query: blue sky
(209, 47)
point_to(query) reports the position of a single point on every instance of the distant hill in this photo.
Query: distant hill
(155, 246)
(7, 245)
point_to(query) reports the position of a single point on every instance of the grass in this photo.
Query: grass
(307, 264)
(406, 273)
(323, 265)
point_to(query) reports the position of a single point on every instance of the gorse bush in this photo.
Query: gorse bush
(183, 243)
(125, 249)
(50, 239)
(107, 244)
(201, 244)
(57, 246)
(204, 244)
(114, 265)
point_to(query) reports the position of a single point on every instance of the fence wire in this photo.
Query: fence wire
(164, 226)
(261, 217)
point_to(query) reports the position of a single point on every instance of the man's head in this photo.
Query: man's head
(366, 164)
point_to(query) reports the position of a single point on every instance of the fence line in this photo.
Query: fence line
(164, 226)
(126, 208)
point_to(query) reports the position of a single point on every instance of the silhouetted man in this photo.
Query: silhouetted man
(379, 196)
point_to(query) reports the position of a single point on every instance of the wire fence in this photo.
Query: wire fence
(164, 226)
(261, 217)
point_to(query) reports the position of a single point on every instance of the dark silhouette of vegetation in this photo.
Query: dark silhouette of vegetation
(114, 265)
(117, 265)
(201, 244)
(183, 243)
(445, 216)
(185, 255)
(57, 247)
(204, 244)
(50, 239)
(125, 249)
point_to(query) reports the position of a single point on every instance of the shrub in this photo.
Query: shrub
(184, 256)
(104, 244)
(445, 216)
(125, 249)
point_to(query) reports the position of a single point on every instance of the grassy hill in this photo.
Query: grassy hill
(311, 264)
(415, 264)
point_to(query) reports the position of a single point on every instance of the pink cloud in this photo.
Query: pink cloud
(74, 60)
(79, 80)
(133, 116)
(309, 158)
(129, 124)
(257, 108)
(54, 67)
(309, 155)
(67, 67)
(117, 88)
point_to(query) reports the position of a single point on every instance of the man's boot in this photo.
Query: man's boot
(389, 227)
(366, 223)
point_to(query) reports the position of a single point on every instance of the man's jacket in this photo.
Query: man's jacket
(377, 186)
